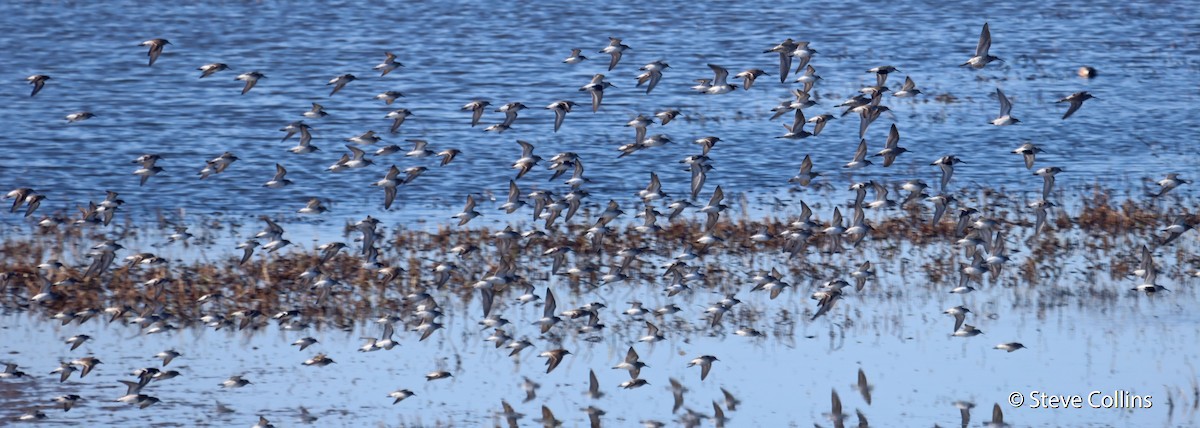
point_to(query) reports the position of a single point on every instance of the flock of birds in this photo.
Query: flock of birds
(983, 238)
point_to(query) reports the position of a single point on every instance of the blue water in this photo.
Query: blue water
(1142, 126)
(1146, 55)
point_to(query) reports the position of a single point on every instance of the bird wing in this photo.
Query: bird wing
(893, 139)
(798, 122)
(389, 196)
(597, 96)
(717, 196)
(616, 57)
(526, 149)
(1005, 104)
(1075, 105)
(721, 74)
(559, 115)
(631, 357)
(551, 306)
(985, 41)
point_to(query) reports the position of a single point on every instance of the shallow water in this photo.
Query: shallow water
(1140, 127)
(893, 331)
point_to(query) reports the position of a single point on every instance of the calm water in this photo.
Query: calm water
(1147, 53)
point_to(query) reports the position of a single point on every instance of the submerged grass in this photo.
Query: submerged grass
(1100, 238)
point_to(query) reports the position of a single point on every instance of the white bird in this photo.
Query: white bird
(278, 180)
(614, 48)
(1029, 152)
(705, 362)
(340, 82)
(860, 157)
(251, 79)
(982, 58)
(719, 85)
(1005, 117)
(468, 212)
(207, 70)
(560, 109)
(389, 63)
(596, 89)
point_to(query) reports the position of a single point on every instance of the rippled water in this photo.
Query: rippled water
(510, 51)
(1142, 125)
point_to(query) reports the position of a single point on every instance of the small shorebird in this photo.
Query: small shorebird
(1029, 152)
(1005, 117)
(11, 372)
(959, 313)
(389, 97)
(476, 108)
(596, 88)
(946, 163)
(67, 401)
(441, 374)
(631, 363)
(652, 74)
(862, 387)
(167, 356)
(967, 330)
(389, 63)
(207, 70)
(340, 82)
(964, 410)
(235, 381)
(891, 148)
(806, 174)
(705, 362)
(156, 48)
(316, 112)
(1010, 346)
(1076, 101)
(251, 79)
(748, 77)
(400, 395)
(88, 363)
(1166, 184)
(908, 90)
(560, 109)
(615, 48)
(1047, 175)
(718, 85)
(77, 341)
(319, 360)
(38, 81)
(278, 180)
(304, 342)
(554, 357)
(575, 57)
(982, 58)
(468, 212)
(80, 116)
